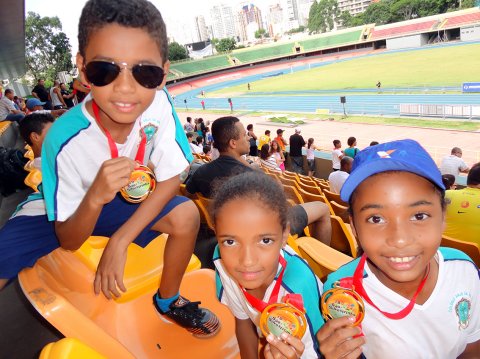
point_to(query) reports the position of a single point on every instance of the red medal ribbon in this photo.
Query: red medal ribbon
(111, 143)
(358, 287)
(260, 305)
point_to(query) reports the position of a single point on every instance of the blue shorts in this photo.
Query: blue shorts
(24, 239)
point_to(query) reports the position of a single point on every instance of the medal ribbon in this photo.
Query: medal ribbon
(260, 305)
(111, 143)
(358, 287)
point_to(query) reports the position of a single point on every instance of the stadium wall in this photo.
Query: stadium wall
(404, 42)
(470, 33)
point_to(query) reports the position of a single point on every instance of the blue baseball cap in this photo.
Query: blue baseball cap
(402, 155)
(32, 102)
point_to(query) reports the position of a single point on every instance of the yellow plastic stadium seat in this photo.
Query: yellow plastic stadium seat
(292, 242)
(321, 258)
(469, 248)
(29, 154)
(332, 196)
(340, 211)
(290, 175)
(343, 239)
(69, 348)
(293, 194)
(288, 181)
(4, 125)
(60, 287)
(324, 186)
(143, 268)
(310, 197)
(182, 191)
(33, 179)
(314, 189)
(29, 166)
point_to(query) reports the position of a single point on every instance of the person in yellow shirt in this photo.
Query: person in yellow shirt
(264, 139)
(463, 209)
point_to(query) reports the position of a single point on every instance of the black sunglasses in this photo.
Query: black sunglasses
(102, 73)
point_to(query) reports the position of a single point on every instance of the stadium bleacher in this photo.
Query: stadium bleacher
(203, 65)
(333, 40)
(462, 20)
(393, 31)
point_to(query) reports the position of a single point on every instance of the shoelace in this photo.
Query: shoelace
(191, 307)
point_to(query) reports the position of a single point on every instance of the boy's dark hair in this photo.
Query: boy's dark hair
(473, 178)
(7, 91)
(224, 129)
(249, 127)
(336, 142)
(128, 13)
(448, 180)
(351, 141)
(252, 185)
(189, 119)
(199, 139)
(373, 143)
(35, 122)
(189, 135)
(267, 132)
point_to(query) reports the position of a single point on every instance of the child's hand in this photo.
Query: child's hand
(111, 177)
(288, 347)
(109, 276)
(337, 340)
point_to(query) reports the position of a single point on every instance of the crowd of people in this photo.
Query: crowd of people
(127, 124)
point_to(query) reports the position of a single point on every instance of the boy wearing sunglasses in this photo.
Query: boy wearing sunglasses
(125, 126)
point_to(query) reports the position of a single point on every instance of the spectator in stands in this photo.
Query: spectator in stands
(8, 112)
(337, 155)
(264, 139)
(189, 127)
(268, 160)
(463, 209)
(278, 154)
(208, 136)
(56, 96)
(19, 103)
(338, 178)
(193, 145)
(449, 182)
(200, 127)
(33, 129)
(453, 164)
(296, 144)
(252, 139)
(311, 156)
(67, 95)
(34, 105)
(281, 142)
(231, 141)
(351, 151)
(41, 93)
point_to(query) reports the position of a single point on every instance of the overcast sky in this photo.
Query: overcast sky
(177, 13)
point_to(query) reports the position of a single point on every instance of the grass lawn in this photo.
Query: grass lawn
(402, 121)
(444, 66)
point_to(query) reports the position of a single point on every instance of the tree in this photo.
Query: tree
(323, 15)
(47, 48)
(260, 33)
(225, 45)
(177, 52)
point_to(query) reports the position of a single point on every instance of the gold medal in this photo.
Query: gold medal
(342, 302)
(141, 183)
(281, 318)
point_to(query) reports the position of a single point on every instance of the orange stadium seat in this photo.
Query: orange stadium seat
(469, 248)
(343, 239)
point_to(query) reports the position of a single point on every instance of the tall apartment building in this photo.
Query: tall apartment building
(354, 7)
(303, 11)
(249, 20)
(275, 20)
(201, 30)
(291, 17)
(223, 22)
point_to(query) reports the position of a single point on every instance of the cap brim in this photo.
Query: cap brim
(381, 165)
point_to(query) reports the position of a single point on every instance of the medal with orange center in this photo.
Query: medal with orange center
(141, 183)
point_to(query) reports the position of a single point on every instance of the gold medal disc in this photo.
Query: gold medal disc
(341, 302)
(141, 183)
(281, 318)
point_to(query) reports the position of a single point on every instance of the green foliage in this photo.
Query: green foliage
(322, 16)
(47, 49)
(260, 33)
(296, 30)
(225, 45)
(177, 52)
(284, 119)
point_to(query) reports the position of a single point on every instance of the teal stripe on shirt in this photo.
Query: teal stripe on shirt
(62, 131)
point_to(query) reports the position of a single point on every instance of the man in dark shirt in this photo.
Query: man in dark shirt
(67, 96)
(230, 139)
(296, 144)
(40, 92)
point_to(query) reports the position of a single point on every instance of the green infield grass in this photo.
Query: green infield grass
(444, 66)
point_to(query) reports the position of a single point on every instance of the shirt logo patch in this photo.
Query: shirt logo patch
(462, 310)
(150, 130)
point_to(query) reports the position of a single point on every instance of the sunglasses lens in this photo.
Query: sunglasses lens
(101, 73)
(149, 76)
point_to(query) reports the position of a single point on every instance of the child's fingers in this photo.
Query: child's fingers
(280, 349)
(296, 343)
(332, 325)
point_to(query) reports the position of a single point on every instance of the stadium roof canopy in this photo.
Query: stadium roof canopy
(12, 39)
